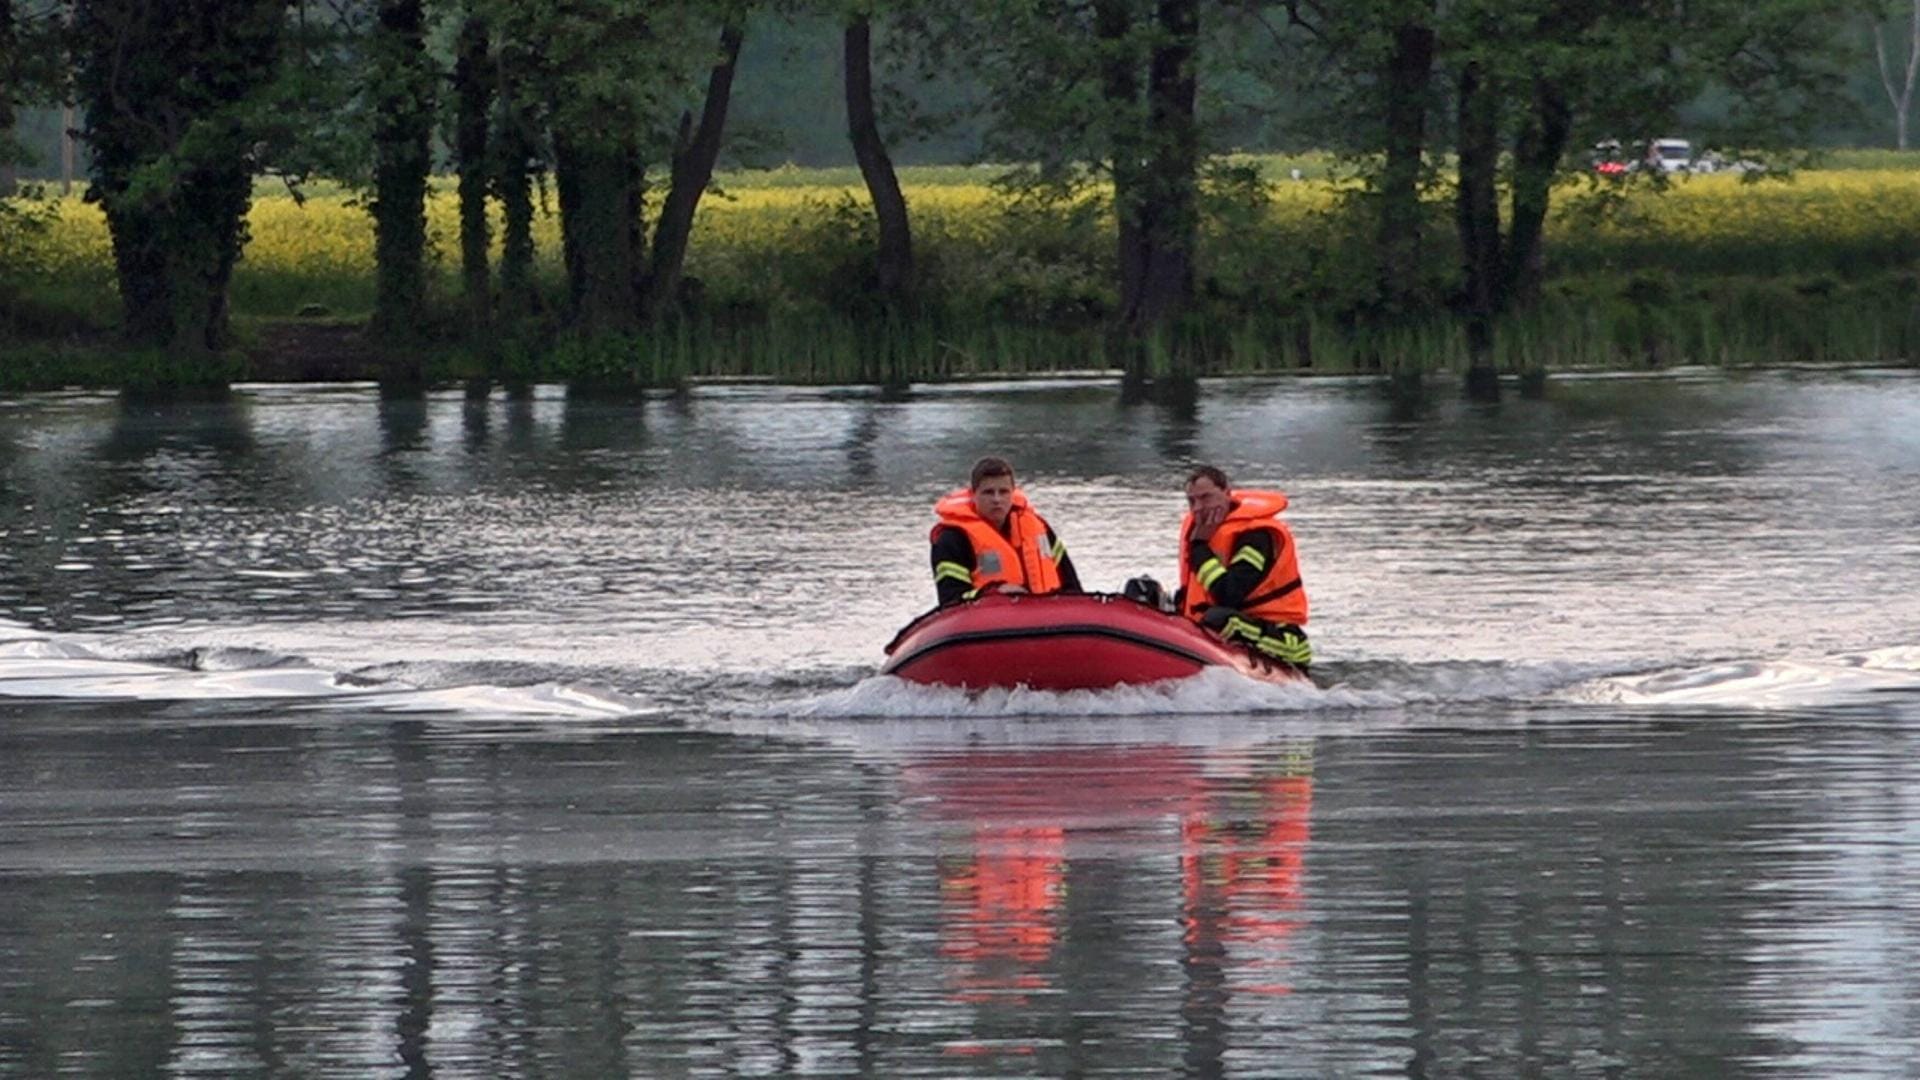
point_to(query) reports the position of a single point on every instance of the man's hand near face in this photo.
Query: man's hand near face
(1207, 519)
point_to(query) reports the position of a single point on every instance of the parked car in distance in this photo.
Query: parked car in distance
(1670, 155)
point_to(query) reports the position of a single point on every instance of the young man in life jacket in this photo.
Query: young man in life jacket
(1239, 574)
(990, 540)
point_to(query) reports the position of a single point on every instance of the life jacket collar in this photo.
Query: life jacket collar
(1246, 506)
(956, 508)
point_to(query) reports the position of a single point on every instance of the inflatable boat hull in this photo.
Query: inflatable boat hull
(1086, 641)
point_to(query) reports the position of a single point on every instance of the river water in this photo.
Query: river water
(523, 735)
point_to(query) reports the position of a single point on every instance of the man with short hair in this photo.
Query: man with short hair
(1239, 573)
(990, 539)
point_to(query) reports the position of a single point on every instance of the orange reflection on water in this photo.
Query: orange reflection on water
(1241, 848)
(1241, 876)
(1000, 910)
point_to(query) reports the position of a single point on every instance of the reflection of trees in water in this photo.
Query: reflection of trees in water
(1564, 900)
(109, 506)
(476, 414)
(1176, 435)
(1574, 426)
(1509, 903)
(870, 422)
(604, 440)
(402, 416)
(219, 424)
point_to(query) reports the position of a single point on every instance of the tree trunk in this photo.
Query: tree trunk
(473, 83)
(516, 142)
(599, 227)
(9, 93)
(515, 189)
(171, 156)
(1173, 137)
(1120, 88)
(1477, 215)
(694, 154)
(895, 268)
(1900, 95)
(566, 188)
(1409, 73)
(1536, 161)
(403, 125)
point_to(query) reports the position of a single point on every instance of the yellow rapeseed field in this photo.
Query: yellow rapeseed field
(322, 248)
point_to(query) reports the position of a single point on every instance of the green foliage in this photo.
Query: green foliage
(172, 160)
(26, 222)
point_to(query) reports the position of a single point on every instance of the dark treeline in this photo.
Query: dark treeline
(621, 113)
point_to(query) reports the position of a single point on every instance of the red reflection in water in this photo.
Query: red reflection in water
(1242, 848)
(1240, 873)
(999, 909)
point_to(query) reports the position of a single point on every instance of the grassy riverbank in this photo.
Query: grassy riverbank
(1818, 268)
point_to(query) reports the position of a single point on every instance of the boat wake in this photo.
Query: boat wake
(34, 665)
(1862, 678)
(1367, 687)
(156, 668)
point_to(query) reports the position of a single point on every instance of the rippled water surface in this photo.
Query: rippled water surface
(521, 735)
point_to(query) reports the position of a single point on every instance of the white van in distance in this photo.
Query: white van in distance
(1670, 155)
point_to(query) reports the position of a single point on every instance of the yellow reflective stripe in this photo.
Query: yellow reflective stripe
(1294, 650)
(1239, 627)
(1210, 572)
(970, 594)
(1249, 555)
(953, 570)
(1059, 550)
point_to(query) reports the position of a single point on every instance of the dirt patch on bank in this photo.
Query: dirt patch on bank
(313, 350)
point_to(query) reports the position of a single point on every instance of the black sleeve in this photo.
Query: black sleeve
(1069, 577)
(1246, 565)
(952, 565)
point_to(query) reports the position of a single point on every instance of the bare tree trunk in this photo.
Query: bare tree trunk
(1120, 88)
(1900, 96)
(895, 266)
(1536, 161)
(1174, 141)
(402, 161)
(694, 155)
(1477, 214)
(473, 83)
(1409, 73)
(514, 146)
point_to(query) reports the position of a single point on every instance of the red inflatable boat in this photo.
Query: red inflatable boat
(1063, 641)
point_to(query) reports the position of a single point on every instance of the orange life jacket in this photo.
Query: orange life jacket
(1020, 556)
(1279, 598)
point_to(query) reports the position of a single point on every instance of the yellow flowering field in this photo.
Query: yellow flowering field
(779, 239)
(1815, 222)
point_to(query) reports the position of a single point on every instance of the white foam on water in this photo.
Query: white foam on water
(44, 666)
(1215, 692)
(1843, 679)
(544, 700)
(891, 735)
(1219, 691)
